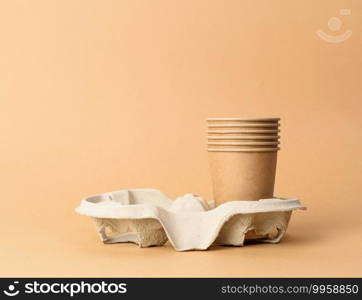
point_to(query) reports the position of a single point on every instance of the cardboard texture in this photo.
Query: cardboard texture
(150, 218)
(240, 176)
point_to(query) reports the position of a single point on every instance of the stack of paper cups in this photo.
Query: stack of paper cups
(243, 157)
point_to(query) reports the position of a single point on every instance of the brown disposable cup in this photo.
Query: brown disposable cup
(243, 172)
(242, 175)
(245, 175)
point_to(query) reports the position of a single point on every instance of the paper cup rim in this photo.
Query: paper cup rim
(272, 119)
(243, 150)
(227, 131)
(258, 125)
(243, 143)
(244, 137)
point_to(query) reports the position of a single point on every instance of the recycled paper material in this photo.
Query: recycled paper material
(242, 175)
(150, 218)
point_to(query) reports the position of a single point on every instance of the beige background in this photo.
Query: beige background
(104, 95)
